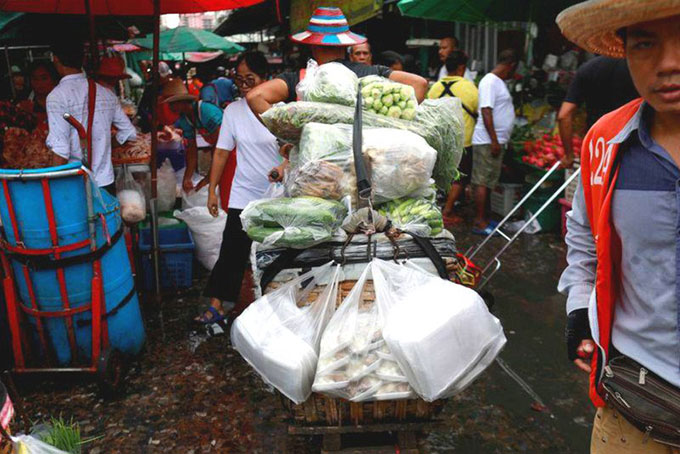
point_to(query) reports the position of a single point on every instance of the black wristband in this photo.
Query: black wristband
(578, 329)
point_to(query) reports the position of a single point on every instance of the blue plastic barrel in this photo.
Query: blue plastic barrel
(125, 326)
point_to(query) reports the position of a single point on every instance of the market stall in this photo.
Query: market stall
(78, 324)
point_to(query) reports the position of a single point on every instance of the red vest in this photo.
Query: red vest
(597, 163)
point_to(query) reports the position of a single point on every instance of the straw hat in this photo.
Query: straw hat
(174, 90)
(328, 27)
(593, 24)
(113, 67)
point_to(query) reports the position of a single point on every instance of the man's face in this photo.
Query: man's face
(446, 46)
(361, 53)
(653, 55)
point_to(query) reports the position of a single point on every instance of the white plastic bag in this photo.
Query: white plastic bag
(332, 83)
(166, 187)
(131, 197)
(207, 232)
(440, 333)
(355, 363)
(400, 163)
(279, 339)
(28, 444)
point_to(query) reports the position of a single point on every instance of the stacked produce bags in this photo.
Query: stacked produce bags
(365, 350)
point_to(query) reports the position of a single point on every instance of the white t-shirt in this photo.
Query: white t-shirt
(257, 153)
(70, 96)
(494, 93)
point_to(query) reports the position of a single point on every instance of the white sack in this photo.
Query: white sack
(166, 187)
(440, 333)
(207, 232)
(354, 361)
(281, 340)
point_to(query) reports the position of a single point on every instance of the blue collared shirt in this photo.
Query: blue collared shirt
(645, 209)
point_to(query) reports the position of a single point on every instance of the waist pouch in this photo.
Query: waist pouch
(646, 400)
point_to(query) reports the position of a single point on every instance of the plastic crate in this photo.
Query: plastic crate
(504, 197)
(176, 257)
(570, 190)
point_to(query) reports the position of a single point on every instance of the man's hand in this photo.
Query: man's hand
(580, 345)
(495, 149)
(187, 184)
(585, 350)
(213, 206)
(567, 161)
(204, 182)
(284, 150)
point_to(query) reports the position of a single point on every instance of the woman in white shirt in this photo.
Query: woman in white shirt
(257, 153)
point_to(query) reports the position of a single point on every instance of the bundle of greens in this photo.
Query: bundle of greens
(400, 162)
(299, 222)
(439, 122)
(419, 216)
(330, 83)
(384, 97)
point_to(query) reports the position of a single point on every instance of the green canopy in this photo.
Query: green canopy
(474, 11)
(185, 39)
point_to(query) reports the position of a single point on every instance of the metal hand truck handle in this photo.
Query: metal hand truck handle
(509, 240)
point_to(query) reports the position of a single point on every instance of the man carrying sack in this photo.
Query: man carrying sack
(623, 276)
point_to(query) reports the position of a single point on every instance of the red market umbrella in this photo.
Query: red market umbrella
(122, 7)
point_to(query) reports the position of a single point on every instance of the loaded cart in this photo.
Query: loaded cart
(71, 300)
(348, 325)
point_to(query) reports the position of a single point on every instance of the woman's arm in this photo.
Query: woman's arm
(261, 98)
(219, 161)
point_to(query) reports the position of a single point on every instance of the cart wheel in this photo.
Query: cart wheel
(110, 371)
(488, 298)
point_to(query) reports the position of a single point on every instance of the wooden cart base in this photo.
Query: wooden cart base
(404, 435)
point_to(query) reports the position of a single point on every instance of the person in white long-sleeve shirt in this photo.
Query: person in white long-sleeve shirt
(71, 96)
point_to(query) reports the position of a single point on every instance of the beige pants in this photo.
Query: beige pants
(612, 434)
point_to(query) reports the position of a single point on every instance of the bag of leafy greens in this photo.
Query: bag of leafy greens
(299, 222)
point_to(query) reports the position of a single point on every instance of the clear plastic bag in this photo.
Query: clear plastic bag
(131, 197)
(28, 444)
(385, 97)
(441, 334)
(438, 121)
(207, 232)
(279, 336)
(352, 358)
(419, 216)
(299, 222)
(400, 162)
(332, 83)
(166, 186)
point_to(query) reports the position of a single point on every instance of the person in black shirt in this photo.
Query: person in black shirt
(328, 35)
(604, 84)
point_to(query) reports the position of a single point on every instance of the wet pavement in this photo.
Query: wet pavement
(194, 394)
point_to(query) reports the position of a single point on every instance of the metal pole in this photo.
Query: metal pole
(94, 51)
(9, 71)
(154, 150)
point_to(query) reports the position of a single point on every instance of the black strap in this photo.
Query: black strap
(47, 262)
(363, 181)
(280, 263)
(112, 312)
(429, 250)
(447, 92)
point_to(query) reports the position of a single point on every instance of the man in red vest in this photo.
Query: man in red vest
(623, 277)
